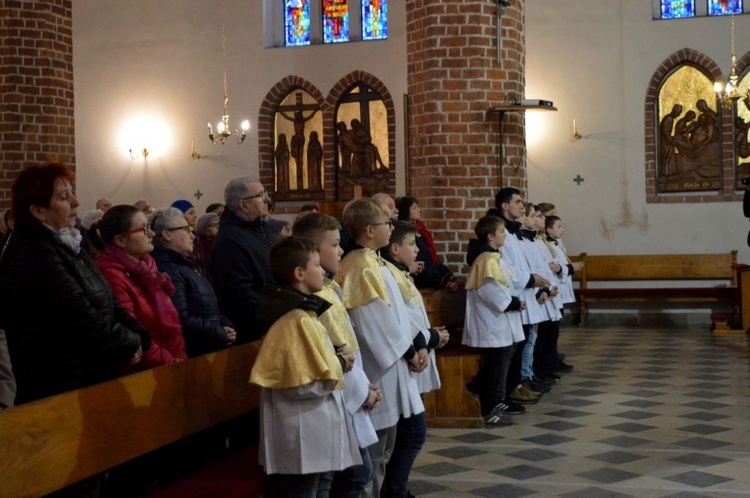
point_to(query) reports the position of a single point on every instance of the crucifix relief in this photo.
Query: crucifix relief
(298, 151)
(361, 142)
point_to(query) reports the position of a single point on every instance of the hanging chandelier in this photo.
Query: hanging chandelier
(222, 127)
(728, 92)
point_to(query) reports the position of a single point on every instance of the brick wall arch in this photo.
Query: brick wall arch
(329, 129)
(651, 127)
(266, 125)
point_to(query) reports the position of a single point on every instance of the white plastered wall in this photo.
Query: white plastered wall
(144, 61)
(594, 60)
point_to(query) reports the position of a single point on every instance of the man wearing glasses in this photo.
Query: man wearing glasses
(238, 264)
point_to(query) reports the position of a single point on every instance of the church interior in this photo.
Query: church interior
(566, 101)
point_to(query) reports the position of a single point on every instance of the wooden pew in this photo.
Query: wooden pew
(452, 405)
(54, 442)
(656, 268)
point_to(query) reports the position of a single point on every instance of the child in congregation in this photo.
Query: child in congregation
(402, 251)
(305, 431)
(360, 396)
(381, 322)
(493, 318)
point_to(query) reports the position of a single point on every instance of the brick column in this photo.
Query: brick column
(454, 78)
(36, 75)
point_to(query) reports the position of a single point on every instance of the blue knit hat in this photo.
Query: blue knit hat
(182, 205)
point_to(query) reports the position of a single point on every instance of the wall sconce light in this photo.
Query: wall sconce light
(193, 153)
(576, 135)
(144, 152)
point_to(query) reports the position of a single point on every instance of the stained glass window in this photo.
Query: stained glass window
(296, 22)
(724, 7)
(672, 9)
(335, 21)
(374, 19)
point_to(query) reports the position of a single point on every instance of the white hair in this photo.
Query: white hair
(236, 190)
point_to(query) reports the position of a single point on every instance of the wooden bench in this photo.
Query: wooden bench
(54, 442)
(614, 269)
(452, 405)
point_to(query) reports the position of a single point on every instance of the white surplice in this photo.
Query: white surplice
(305, 430)
(384, 335)
(429, 378)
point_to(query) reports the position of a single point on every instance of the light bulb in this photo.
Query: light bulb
(220, 126)
(245, 125)
(718, 87)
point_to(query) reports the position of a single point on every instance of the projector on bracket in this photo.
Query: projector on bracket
(544, 103)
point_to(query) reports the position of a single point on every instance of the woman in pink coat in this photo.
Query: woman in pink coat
(138, 285)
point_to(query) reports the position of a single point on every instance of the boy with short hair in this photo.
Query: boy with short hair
(381, 322)
(493, 321)
(359, 395)
(305, 431)
(402, 251)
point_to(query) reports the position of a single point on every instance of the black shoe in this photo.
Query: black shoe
(545, 381)
(512, 408)
(550, 375)
(562, 367)
(538, 386)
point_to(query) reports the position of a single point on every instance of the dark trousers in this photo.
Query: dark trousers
(292, 485)
(410, 437)
(514, 371)
(546, 342)
(347, 483)
(493, 374)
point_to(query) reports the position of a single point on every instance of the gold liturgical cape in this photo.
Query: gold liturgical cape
(296, 351)
(335, 318)
(405, 284)
(360, 278)
(487, 265)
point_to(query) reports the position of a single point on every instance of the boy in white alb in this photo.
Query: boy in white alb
(359, 395)
(381, 323)
(493, 321)
(402, 252)
(305, 430)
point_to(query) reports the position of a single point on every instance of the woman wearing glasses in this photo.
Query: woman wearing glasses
(138, 285)
(204, 329)
(65, 330)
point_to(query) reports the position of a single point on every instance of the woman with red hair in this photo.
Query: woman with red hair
(65, 329)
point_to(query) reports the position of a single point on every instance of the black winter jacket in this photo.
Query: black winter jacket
(238, 266)
(64, 327)
(194, 298)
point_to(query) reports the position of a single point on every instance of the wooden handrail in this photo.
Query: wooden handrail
(54, 442)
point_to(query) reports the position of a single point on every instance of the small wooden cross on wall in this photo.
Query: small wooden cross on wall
(578, 180)
(198, 194)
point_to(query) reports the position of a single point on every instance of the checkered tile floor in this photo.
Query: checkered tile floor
(645, 413)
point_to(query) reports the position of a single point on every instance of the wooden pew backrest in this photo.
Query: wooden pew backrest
(53, 442)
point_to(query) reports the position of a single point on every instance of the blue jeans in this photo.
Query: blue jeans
(410, 437)
(527, 360)
(347, 483)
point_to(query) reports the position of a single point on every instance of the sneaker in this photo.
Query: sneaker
(497, 416)
(562, 367)
(545, 381)
(527, 385)
(521, 395)
(512, 408)
(536, 386)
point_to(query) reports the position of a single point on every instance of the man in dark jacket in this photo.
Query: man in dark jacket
(238, 263)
